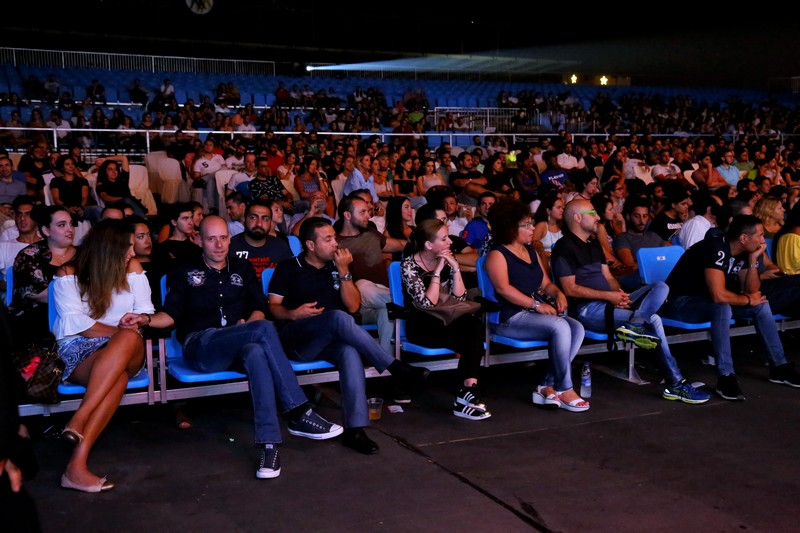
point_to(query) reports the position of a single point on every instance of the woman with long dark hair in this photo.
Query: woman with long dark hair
(91, 294)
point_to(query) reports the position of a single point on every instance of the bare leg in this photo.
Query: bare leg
(122, 356)
(77, 468)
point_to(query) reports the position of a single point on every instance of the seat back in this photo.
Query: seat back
(338, 187)
(140, 188)
(9, 285)
(656, 263)
(294, 244)
(487, 289)
(396, 292)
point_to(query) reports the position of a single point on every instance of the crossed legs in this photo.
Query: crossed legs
(105, 375)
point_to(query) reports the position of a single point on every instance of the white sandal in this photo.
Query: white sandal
(551, 400)
(574, 405)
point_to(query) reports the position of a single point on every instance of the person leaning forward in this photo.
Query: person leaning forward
(312, 296)
(217, 306)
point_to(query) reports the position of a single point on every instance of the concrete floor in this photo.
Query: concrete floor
(633, 462)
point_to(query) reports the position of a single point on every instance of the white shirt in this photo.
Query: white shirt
(208, 166)
(73, 314)
(694, 230)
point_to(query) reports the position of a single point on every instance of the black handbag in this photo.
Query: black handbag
(41, 369)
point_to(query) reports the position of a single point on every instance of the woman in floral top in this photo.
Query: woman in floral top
(34, 268)
(428, 273)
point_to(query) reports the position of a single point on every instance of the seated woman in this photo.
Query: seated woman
(34, 268)
(607, 230)
(399, 221)
(431, 274)
(428, 177)
(532, 306)
(770, 211)
(549, 221)
(113, 183)
(405, 182)
(70, 189)
(787, 244)
(92, 293)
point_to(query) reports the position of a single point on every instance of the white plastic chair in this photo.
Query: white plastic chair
(140, 188)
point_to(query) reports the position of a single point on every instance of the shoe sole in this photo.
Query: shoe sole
(673, 397)
(784, 382)
(268, 475)
(731, 398)
(462, 403)
(645, 343)
(542, 401)
(318, 436)
(482, 415)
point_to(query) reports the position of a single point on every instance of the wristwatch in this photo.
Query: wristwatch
(346, 277)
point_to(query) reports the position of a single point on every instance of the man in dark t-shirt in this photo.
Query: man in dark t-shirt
(579, 267)
(255, 244)
(717, 279)
(312, 296)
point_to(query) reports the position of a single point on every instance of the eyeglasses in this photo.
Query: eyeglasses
(527, 225)
(589, 212)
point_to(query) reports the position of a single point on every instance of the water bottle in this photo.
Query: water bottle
(586, 381)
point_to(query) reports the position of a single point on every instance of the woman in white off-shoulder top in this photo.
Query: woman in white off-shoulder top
(91, 294)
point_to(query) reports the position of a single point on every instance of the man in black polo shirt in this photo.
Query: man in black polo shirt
(716, 280)
(579, 267)
(217, 306)
(312, 297)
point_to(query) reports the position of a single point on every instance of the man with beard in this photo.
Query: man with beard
(312, 297)
(369, 269)
(255, 243)
(627, 244)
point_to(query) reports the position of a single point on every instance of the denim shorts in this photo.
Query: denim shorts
(74, 351)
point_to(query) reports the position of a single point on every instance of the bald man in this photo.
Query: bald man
(217, 305)
(579, 267)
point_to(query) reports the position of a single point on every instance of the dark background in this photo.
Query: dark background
(653, 44)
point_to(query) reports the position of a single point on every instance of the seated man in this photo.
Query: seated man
(367, 246)
(627, 243)
(312, 296)
(477, 230)
(217, 306)
(716, 280)
(579, 268)
(256, 244)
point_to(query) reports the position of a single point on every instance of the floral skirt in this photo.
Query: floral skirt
(74, 351)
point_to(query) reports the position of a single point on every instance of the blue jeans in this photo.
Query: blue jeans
(335, 337)
(648, 299)
(701, 309)
(255, 348)
(564, 336)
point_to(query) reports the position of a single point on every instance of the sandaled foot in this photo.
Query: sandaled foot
(570, 401)
(71, 436)
(181, 420)
(86, 483)
(546, 397)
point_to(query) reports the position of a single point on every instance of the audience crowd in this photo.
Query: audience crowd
(559, 223)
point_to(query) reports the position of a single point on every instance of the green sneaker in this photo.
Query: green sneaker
(638, 335)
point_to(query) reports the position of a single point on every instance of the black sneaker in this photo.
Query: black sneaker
(468, 404)
(313, 426)
(400, 396)
(638, 334)
(728, 388)
(357, 439)
(269, 465)
(785, 374)
(408, 376)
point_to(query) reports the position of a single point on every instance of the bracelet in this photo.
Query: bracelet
(455, 270)
(753, 265)
(748, 299)
(435, 275)
(149, 318)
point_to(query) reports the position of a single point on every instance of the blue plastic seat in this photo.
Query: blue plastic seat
(398, 302)
(493, 317)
